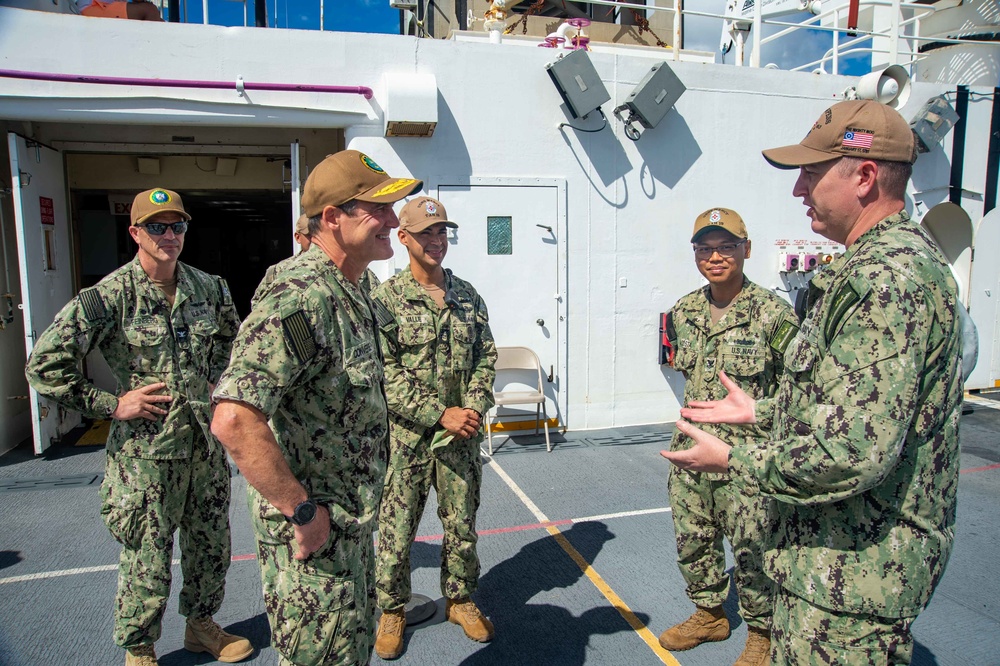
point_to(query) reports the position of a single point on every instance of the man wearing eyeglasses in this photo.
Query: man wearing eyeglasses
(734, 325)
(862, 461)
(439, 371)
(165, 330)
(302, 410)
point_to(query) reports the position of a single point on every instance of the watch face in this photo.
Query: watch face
(304, 513)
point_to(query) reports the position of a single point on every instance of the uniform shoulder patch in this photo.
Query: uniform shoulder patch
(227, 298)
(782, 336)
(299, 335)
(93, 305)
(383, 316)
(845, 298)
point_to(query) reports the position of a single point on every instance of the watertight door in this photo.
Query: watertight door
(508, 246)
(984, 303)
(43, 243)
(295, 178)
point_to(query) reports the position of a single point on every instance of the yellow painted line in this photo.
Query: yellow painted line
(522, 425)
(644, 633)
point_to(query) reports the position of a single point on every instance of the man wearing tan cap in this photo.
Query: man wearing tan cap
(863, 453)
(302, 411)
(732, 324)
(165, 330)
(439, 371)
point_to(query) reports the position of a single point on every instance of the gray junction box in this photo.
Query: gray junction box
(656, 94)
(578, 83)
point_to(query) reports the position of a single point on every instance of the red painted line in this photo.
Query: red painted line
(239, 558)
(504, 530)
(980, 469)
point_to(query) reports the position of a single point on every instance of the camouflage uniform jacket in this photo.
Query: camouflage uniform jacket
(864, 460)
(748, 343)
(434, 357)
(130, 321)
(307, 356)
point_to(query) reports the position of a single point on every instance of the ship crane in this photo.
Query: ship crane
(736, 29)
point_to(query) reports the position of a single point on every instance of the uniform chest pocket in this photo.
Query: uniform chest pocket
(464, 339)
(746, 364)
(363, 374)
(416, 334)
(801, 355)
(204, 328)
(146, 342)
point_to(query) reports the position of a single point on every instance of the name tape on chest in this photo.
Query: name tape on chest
(299, 335)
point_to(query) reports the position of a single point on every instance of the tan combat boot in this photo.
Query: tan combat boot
(204, 635)
(389, 637)
(758, 648)
(141, 655)
(705, 626)
(465, 614)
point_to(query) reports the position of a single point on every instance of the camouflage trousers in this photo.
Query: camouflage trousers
(704, 511)
(456, 473)
(143, 503)
(322, 609)
(808, 635)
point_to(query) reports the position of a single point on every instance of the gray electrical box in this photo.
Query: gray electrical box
(932, 123)
(578, 83)
(655, 95)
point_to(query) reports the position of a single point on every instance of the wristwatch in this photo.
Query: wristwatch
(304, 513)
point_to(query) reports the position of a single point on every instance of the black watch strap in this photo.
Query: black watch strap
(304, 513)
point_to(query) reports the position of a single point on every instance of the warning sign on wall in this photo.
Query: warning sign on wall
(48, 210)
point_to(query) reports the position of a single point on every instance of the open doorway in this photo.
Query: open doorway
(234, 234)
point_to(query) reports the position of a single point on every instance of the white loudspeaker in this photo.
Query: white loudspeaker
(889, 86)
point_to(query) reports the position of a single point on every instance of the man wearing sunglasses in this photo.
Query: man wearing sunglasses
(302, 410)
(734, 325)
(166, 330)
(439, 371)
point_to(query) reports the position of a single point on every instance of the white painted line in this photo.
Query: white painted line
(44, 575)
(982, 402)
(620, 514)
(539, 516)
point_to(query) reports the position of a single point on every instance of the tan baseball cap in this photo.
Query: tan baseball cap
(854, 128)
(716, 219)
(349, 175)
(421, 213)
(157, 200)
(302, 225)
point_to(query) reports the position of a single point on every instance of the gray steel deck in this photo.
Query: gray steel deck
(604, 497)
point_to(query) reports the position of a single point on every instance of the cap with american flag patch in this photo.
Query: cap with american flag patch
(854, 128)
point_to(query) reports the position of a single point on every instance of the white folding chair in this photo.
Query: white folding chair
(518, 358)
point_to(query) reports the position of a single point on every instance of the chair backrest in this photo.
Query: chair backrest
(519, 358)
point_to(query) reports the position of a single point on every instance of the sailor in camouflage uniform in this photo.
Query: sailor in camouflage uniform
(738, 327)
(165, 330)
(301, 408)
(303, 236)
(439, 366)
(863, 457)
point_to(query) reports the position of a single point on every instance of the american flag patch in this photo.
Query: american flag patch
(857, 139)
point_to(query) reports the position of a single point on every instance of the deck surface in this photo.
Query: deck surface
(577, 549)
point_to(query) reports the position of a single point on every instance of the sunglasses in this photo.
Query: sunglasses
(160, 228)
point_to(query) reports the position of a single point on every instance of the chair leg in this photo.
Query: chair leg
(548, 442)
(538, 410)
(489, 432)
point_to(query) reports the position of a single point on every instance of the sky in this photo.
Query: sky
(376, 16)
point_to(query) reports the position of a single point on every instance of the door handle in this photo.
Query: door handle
(551, 375)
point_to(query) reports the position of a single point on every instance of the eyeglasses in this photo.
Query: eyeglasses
(160, 228)
(727, 251)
